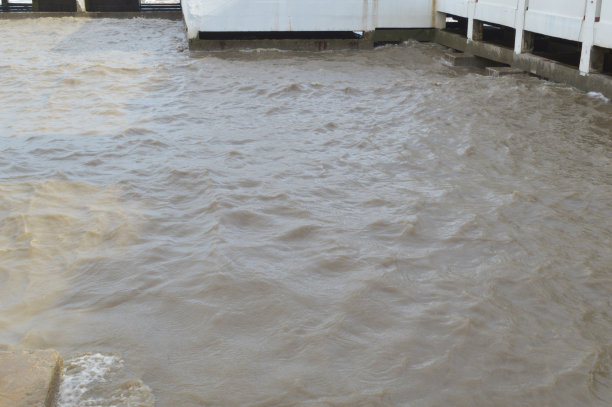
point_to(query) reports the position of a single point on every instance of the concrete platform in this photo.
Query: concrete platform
(539, 66)
(465, 60)
(29, 379)
(497, 71)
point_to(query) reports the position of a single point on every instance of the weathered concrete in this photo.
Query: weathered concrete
(400, 35)
(284, 44)
(536, 65)
(29, 379)
(317, 44)
(496, 71)
(465, 60)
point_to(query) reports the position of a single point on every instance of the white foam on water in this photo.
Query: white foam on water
(91, 380)
(598, 95)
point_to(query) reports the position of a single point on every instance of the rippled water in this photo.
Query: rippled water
(366, 228)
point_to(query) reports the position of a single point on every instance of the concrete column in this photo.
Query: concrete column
(477, 30)
(5, 4)
(520, 45)
(588, 58)
(439, 20)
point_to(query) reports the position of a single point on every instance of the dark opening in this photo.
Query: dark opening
(67, 6)
(601, 60)
(456, 25)
(499, 35)
(278, 35)
(112, 5)
(16, 6)
(557, 49)
(167, 5)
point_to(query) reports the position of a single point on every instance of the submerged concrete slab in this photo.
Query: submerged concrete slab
(467, 60)
(29, 379)
(496, 71)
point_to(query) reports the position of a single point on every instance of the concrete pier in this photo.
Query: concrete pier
(29, 379)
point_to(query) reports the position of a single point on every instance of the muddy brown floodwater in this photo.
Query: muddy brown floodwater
(266, 228)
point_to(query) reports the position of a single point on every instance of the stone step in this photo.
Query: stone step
(497, 71)
(465, 60)
(29, 379)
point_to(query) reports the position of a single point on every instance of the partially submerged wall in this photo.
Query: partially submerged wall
(304, 16)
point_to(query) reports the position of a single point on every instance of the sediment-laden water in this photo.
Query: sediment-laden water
(265, 228)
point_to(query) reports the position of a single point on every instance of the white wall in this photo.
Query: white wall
(496, 11)
(557, 18)
(454, 7)
(603, 29)
(305, 15)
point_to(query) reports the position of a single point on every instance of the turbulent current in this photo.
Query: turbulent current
(268, 228)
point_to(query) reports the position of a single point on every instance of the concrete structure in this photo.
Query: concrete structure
(218, 16)
(580, 27)
(29, 379)
(579, 32)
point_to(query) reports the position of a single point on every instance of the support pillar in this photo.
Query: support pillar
(471, 12)
(589, 58)
(477, 30)
(5, 5)
(440, 20)
(523, 41)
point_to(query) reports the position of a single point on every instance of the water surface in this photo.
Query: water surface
(265, 228)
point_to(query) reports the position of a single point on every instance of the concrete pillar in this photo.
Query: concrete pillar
(471, 13)
(439, 20)
(588, 58)
(5, 4)
(477, 30)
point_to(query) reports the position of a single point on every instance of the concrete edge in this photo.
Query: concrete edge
(281, 44)
(542, 67)
(30, 378)
(367, 42)
(54, 385)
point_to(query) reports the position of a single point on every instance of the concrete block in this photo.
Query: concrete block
(29, 379)
(461, 59)
(497, 71)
